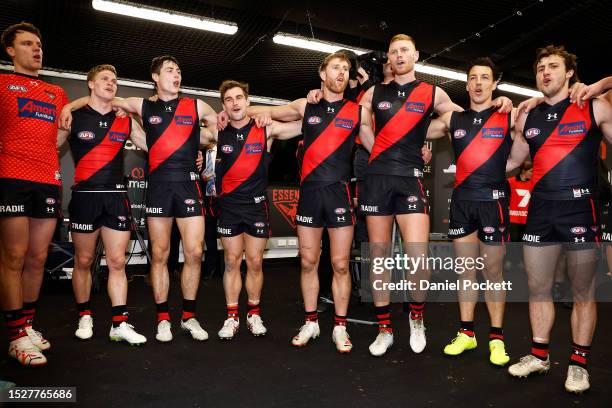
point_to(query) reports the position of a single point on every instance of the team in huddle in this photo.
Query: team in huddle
(391, 121)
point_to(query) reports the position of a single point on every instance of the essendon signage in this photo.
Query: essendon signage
(285, 202)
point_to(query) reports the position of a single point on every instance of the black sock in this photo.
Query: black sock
(189, 308)
(580, 355)
(162, 311)
(120, 315)
(84, 308)
(15, 324)
(29, 310)
(496, 333)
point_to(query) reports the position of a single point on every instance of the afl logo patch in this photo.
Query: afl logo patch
(340, 211)
(189, 201)
(155, 120)
(578, 230)
(459, 133)
(531, 133)
(384, 105)
(227, 149)
(314, 120)
(121, 218)
(412, 199)
(260, 224)
(86, 135)
(17, 88)
(50, 201)
(489, 230)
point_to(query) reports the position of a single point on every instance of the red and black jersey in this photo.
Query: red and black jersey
(241, 172)
(29, 108)
(173, 138)
(329, 130)
(402, 115)
(482, 143)
(563, 140)
(96, 142)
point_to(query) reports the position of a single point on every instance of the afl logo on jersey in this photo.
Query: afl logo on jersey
(340, 211)
(314, 120)
(578, 230)
(17, 88)
(189, 201)
(459, 133)
(86, 135)
(155, 120)
(384, 105)
(227, 149)
(489, 230)
(259, 224)
(531, 133)
(50, 201)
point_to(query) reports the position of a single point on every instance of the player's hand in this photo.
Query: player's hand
(503, 103)
(427, 154)
(314, 96)
(586, 92)
(529, 104)
(200, 161)
(263, 120)
(222, 120)
(65, 119)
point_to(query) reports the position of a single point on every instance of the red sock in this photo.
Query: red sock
(232, 312)
(311, 316)
(416, 310)
(162, 311)
(580, 355)
(339, 320)
(539, 350)
(253, 308)
(383, 315)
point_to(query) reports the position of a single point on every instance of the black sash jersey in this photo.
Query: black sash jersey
(242, 169)
(173, 138)
(329, 130)
(482, 144)
(564, 141)
(96, 142)
(402, 115)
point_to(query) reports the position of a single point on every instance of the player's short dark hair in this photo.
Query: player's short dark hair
(485, 62)
(158, 62)
(569, 59)
(229, 84)
(8, 35)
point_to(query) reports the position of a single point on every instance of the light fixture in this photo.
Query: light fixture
(441, 72)
(311, 44)
(521, 90)
(170, 17)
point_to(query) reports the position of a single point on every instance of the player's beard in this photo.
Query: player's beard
(333, 86)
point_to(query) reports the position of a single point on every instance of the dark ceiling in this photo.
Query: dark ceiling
(77, 37)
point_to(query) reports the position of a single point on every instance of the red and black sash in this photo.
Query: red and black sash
(251, 154)
(175, 135)
(404, 120)
(104, 152)
(330, 139)
(483, 146)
